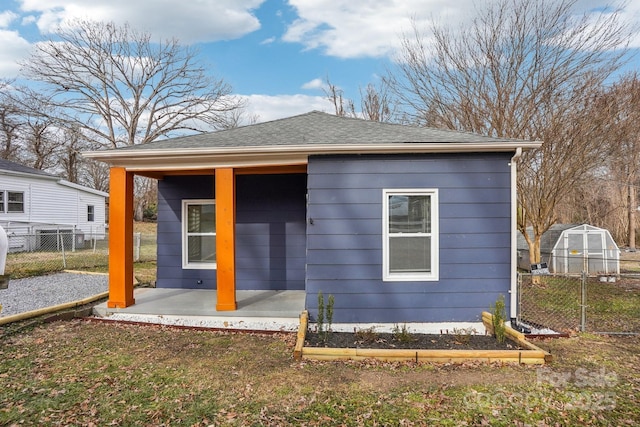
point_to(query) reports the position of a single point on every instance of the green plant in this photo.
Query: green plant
(402, 334)
(320, 318)
(329, 315)
(324, 319)
(498, 319)
(463, 335)
(366, 335)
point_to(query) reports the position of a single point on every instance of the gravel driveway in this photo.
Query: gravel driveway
(45, 291)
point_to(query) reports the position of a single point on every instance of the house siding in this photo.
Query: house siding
(270, 232)
(51, 205)
(171, 191)
(344, 242)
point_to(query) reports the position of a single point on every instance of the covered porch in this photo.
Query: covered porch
(256, 310)
(226, 296)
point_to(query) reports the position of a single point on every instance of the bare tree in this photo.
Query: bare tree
(42, 136)
(95, 175)
(69, 157)
(121, 88)
(376, 103)
(343, 107)
(10, 124)
(41, 144)
(239, 117)
(619, 106)
(520, 69)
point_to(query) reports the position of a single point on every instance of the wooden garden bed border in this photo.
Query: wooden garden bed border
(531, 355)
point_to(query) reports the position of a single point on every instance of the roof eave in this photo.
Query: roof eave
(279, 155)
(29, 175)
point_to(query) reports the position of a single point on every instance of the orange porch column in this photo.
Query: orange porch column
(225, 186)
(120, 238)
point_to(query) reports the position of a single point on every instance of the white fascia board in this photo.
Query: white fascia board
(207, 158)
(29, 175)
(82, 188)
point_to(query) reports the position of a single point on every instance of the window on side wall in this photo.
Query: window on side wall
(198, 234)
(90, 213)
(15, 201)
(410, 235)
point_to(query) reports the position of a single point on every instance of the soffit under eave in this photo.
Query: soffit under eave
(161, 160)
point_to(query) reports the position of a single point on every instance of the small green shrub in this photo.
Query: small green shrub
(499, 317)
(320, 318)
(329, 315)
(402, 334)
(366, 335)
(325, 315)
(463, 335)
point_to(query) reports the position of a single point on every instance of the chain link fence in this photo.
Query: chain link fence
(586, 303)
(49, 251)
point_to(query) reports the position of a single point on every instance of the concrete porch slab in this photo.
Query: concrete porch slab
(257, 310)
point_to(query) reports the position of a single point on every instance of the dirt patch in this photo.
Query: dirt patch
(368, 339)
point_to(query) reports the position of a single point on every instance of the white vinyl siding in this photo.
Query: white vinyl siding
(52, 203)
(410, 235)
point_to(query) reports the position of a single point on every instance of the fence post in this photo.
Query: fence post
(583, 302)
(137, 237)
(64, 255)
(518, 297)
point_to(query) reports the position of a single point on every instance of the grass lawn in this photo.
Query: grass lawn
(554, 302)
(37, 263)
(90, 373)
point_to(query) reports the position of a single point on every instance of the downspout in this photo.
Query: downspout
(513, 311)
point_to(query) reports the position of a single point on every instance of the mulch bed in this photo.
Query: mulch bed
(414, 341)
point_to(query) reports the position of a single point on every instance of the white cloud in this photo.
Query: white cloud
(346, 29)
(268, 41)
(630, 14)
(314, 84)
(6, 18)
(350, 29)
(12, 49)
(267, 107)
(188, 21)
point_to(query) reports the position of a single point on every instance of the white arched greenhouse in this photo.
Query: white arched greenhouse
(572, 249)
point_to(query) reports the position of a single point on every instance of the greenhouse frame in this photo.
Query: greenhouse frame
(572, 249)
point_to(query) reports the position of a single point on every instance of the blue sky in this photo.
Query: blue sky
(276, 53)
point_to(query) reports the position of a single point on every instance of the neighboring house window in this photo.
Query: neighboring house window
(15, 201)
(410, 245)
(198, 234)
(90, 213)
(2, 209)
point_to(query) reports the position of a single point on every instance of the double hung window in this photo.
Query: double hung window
(198, 234)
(11, 201)
(410, 244)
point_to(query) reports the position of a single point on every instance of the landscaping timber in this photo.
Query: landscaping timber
(526, 354)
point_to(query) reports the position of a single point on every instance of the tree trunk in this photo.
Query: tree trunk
(534, 254)
(631, 198)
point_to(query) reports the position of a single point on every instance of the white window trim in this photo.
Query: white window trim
(4, 208)
(185, 261)
(431, 276)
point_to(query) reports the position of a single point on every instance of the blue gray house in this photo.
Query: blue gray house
(399, 223)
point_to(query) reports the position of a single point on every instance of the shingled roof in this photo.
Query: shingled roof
(7, 166)
(316, 128)
(290, 141)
